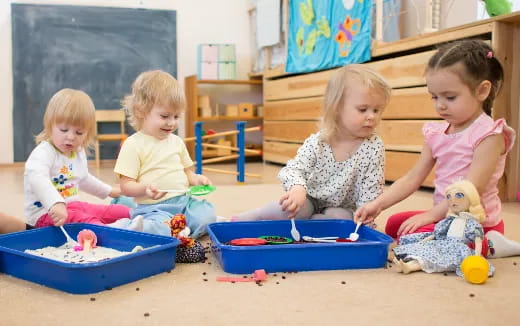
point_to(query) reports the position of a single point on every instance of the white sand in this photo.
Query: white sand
(66, 253)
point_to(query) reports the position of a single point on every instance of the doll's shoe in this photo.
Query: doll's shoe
(194, 254)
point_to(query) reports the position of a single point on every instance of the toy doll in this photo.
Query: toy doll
(444, 249)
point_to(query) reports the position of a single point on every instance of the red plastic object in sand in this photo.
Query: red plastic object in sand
(344, 240)
(258, 276)
(247, 242)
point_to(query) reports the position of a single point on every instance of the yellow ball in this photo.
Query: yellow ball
(475, 269)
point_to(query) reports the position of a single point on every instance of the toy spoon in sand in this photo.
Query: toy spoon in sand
(87, 239)
(354, 236)
(68, 237)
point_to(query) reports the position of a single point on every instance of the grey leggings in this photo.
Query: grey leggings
(273, 211)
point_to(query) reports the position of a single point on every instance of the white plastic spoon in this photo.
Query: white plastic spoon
(294, 232)
(354, 236)
(69, 238)
(322, 239)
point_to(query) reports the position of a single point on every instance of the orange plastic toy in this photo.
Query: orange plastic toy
(87, 239)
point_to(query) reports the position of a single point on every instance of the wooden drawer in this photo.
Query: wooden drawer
(307, 85)
(289, 131)
(405, 71)
(405, 135)
(410, 103)
(279, 152)
(302, 109)
(399, 163)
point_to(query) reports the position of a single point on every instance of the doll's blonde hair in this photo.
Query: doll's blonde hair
(74, 108)
(338, 89)
(152, 88)
(469, 190)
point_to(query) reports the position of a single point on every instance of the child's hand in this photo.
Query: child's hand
(154, 193)
(116, 191)
(199, 179)
(58, 213)
(367, 213)
(415, 222)
(293, 200)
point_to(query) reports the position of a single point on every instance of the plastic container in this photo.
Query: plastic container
(91, 277)
(475, 269)
(370, 251)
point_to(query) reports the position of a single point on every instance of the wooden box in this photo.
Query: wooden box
(246, 110)
(231, 110)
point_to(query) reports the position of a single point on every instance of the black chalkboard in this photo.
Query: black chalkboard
(99, 50)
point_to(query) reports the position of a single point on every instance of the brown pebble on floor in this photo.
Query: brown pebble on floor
(233, 282)
(203, 273)
(343, 282)
(245, 276)
(169, 271)
(471, 295)
(146, 314)
(92, 299)
(514, 263)
(137, 289)
(209, 263)
(283, 277)
(445, 274)
(274, 274)
(205, 279)
(277, 282)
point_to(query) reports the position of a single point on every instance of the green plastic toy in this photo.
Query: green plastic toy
(200, 190)
(497, 7)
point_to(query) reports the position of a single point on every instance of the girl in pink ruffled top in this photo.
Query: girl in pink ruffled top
(463, 78)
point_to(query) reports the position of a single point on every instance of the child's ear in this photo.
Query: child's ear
(483, 90)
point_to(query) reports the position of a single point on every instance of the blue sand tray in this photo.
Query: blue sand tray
(370, 251)
(90, 277)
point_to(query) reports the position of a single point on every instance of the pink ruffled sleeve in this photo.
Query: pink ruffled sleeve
(431, 129)
(498, 127)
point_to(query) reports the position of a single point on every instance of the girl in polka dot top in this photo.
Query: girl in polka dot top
(341, 167)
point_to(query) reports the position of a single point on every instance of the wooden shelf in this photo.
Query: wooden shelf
(230, 81)
(225, 118)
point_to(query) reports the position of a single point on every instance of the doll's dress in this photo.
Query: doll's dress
(447, 251)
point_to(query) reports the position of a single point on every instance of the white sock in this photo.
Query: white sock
(136, 224)
(120, 224)
(502, 246)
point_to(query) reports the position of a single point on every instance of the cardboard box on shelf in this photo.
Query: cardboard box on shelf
(203, 101)
(231, 110)
(246, 110)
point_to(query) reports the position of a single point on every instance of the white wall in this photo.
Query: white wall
(198, 21)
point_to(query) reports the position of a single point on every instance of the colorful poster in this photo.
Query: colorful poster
(324, 34)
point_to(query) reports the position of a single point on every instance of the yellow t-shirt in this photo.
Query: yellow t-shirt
(149, 160)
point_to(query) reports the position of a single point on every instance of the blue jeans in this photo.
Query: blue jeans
(156, 217)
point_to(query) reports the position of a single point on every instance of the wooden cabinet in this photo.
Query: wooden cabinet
(293, 102)
(207, 101)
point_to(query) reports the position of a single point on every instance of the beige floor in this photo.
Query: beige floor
(190, 294)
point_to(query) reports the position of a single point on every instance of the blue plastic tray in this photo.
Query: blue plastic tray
(91, 277)
(370, 251)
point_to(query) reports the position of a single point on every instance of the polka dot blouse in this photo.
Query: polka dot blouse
(347, 184)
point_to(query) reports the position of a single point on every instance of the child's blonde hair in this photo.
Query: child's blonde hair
(337, 90)
(152, 88)
(469, 190)
(72, 107)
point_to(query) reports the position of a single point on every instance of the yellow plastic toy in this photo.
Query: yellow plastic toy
(475, 269)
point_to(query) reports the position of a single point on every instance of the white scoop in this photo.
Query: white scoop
(69, 238)
(354, 236)
(295, 234)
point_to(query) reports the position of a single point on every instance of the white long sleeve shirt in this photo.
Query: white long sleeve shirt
(51, 177)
